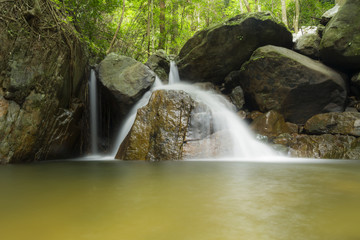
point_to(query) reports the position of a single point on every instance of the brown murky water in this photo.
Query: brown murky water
(180, 201)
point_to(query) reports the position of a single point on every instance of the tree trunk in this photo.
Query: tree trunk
(162, 39)
(241, 6)
(258, 6)
(117, 29)
(283, 11)
(297, 15)
(175, 27)
(153, 26)
(148, 30)
(247, 5)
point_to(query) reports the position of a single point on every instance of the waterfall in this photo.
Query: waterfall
(243, 143)
(93, 112)
(125, 128)
(173, 74)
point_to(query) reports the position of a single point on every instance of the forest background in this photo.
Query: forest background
(137, 28)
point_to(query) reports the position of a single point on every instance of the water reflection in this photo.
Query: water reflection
(180, 200)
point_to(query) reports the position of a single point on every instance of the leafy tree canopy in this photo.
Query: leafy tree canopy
(148, 24)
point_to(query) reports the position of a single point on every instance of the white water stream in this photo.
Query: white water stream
(93, 112)
(242, 140)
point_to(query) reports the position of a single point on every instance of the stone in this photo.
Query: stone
(340, 45)
(159, 63)
(308, 45)
(160, 128)
(211, 54)
(355, 85)
(208, 86)
(213, 145)
(174, 126)
(237, 97)
(345, 123)
(320, 146)
(40, 79)
(329, 14)
(255, 114)
(125, 79)
(270, 124)
(296, 86)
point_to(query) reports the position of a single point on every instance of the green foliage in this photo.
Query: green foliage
(97, 20)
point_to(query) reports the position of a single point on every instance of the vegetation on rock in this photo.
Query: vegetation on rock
(138, 28)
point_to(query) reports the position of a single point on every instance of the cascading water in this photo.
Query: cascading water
(173, 74)
(131, 116)
(93, 112)
(242, 142)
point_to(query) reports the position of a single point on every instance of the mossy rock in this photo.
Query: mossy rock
(213, 53)
(340, 45)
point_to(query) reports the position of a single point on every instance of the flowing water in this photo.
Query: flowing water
(241, 140)
(93, 112)
(180, 200)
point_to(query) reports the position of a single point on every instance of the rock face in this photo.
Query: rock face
(173, 126)
(355, 84)
(159, 62)
(160, 128)
(237, 97)
(126, 79)
(340, 45)
(298, 87)
(346, 123)
(270, 124)
(308, 45)
(42, 90)
(328, 15)
(321, 146)
(211, 54)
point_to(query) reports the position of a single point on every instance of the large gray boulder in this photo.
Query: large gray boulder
(308, 45)
(126, 79)
(42, 88)
(159, 62)
(212, 53)
(298, 87)
(340, 45)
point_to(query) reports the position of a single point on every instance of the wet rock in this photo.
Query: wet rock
(65, 132)
(174, 126)
(296, 86)
(255, 114)
(159, 63)
(207, 86)
(237, 97)
(161, 127)
(270, 124)
(321, 146)
(340, 45)
(214, 145)
(346, 123)
(126, 79)
(242, 114)
(213, 53)
(308, 45)
(40, 78)
(355, 85)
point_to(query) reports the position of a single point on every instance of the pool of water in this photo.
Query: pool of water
(180, 200)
